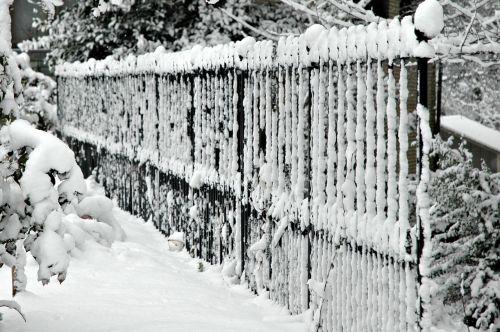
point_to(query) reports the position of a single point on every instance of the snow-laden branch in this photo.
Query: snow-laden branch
(306, 10)
(249, 26)
(356, 10)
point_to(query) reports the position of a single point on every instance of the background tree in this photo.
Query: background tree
(90, 29)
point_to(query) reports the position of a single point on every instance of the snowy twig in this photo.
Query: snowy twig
(363, 3)
(467, 31)
(245, 24)
(462, 292)
(311, 12)
(468, 12)
(320, 306)
(479, 61)
(356, 11)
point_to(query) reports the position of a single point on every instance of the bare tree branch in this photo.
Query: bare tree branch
(467, 31)
(248, 26)
(355, 12)
(307, 10)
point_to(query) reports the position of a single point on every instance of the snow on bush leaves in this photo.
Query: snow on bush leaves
(41, 188)
(49, 158)
(466, 234)
(39, 97)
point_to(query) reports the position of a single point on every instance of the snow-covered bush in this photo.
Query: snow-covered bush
(466, 236)
(37, 204)
(39, 92)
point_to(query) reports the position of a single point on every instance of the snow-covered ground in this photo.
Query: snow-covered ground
(139, 285)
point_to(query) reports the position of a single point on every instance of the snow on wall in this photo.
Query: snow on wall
(308, 136)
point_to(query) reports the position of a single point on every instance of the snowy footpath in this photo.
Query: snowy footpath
(139, 285)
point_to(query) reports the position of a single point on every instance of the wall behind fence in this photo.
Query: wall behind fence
(287, 162)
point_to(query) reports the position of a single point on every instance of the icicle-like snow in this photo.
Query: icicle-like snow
(302, 146)
(349, 185)
(341, 150)
(423, 205)
(360, 151)
(403, 216)
(331, 148)
(381, 240)
(281, 132)
(392, 157)
(322, 142)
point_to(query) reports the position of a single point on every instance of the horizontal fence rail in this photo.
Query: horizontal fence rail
(287, 162)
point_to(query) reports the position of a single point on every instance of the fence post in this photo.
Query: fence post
(423, 175)
(240, 91)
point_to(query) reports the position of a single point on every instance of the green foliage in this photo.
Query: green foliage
(466, 234)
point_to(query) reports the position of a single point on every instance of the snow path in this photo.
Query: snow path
(138, 285)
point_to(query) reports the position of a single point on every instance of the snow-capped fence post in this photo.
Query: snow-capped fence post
(428, 24)
(422, 100)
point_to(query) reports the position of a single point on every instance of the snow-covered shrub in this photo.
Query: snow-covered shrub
(11, 204)
(466, 236)
(37, 204)
(39, 91)
(41, 188)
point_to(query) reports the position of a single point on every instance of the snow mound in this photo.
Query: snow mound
(196, 180)
(176, 241)
(429, 18)
(100, 208)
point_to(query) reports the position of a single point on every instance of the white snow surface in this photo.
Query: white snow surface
(139, 285)
(472, 130)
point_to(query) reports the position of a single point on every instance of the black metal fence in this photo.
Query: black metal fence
(288, 164)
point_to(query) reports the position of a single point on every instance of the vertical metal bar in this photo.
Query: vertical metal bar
(240, 90)
(422, 67)
(191, 113)
(439, 81)
(436, 129)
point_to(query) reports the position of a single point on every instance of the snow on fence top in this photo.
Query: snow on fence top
(472, 130)
(386, 40)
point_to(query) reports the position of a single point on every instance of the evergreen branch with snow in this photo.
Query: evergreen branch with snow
(466, 235)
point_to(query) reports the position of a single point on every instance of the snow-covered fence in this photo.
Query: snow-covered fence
(287, 161)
